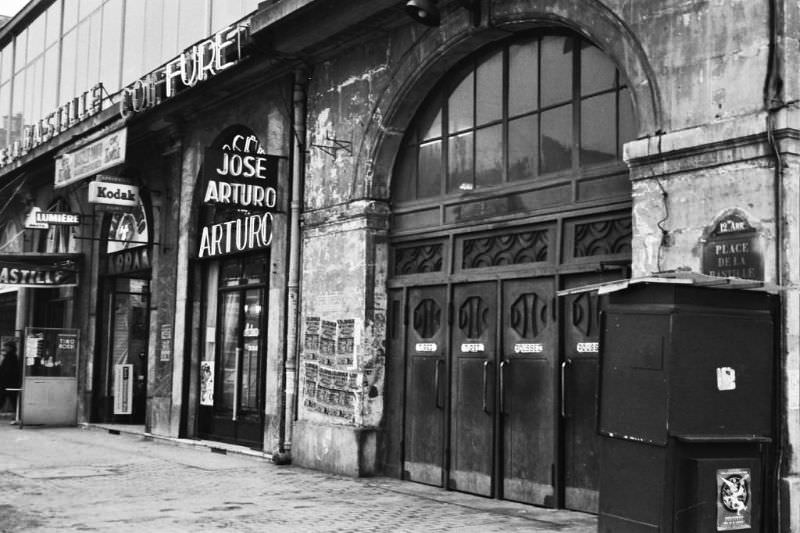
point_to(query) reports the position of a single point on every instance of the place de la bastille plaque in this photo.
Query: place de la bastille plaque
(732, 249)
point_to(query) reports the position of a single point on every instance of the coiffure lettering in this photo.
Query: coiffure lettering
(197, 63)
(78, 109)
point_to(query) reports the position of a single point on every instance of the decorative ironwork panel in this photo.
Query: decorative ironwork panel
(528, 315)
(418, 259)
(427, 318)
(586, 313)
(604, 237)
(508, 249)
(472, 317)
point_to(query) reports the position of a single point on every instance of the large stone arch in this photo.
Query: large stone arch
(436, 50)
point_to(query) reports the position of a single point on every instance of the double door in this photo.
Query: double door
(487, 390)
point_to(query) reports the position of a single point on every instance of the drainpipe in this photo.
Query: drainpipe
(291, 385)
(774, 103)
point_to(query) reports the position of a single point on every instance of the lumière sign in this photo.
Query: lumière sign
(733, 249)
(194, 65)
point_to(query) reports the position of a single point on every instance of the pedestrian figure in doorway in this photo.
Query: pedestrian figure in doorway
(9, 375)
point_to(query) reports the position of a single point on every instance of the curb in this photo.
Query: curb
(212, 446)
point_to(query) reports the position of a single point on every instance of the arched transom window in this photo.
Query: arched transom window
(527, 111)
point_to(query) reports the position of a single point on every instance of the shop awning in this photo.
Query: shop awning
(40, 270)
(678, 277)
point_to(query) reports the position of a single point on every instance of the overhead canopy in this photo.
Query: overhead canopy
(40, 270)
(677, 277)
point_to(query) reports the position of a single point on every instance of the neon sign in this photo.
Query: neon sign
(197, 63)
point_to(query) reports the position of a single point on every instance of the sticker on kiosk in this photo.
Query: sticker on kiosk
(734, 500)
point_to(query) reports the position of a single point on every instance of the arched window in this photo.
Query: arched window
(527, 111)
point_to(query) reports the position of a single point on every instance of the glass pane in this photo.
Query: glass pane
(20, 51)
(489, 98)
(628, 128)
(556, 82)
(255, 268)
(88, 6)
(461, 105)
(5, 118)
(68, 60)
(556, 145)
(93, 69)
(70, 14)
(154, 10)
(35, 75)
(523, 77)
(8, 62)
(231, 272)
(17, 105)
(430, 123)
(82, 55)
(36, 36)
(597, 71)
(110, 51)
(252, 332)
(598, 132)
(17, 93)
(460, 162)
(522, 149)
(429, 181)
(169, 35)
(224, 12)
(133, 54)
(53, 23)
(50, 94)
(489, 156)
(230, 328)
(403, 175)
(192, 22)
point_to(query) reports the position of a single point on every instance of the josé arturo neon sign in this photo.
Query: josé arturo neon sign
(197, 63)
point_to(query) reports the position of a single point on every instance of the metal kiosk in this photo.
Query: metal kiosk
(50, 377)
(686, 409)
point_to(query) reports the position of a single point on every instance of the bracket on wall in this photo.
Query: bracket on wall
(335, 145)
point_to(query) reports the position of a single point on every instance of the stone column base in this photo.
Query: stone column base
(338, 449)
(790, 504)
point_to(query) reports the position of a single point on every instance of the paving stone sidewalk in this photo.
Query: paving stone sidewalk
(78, 479)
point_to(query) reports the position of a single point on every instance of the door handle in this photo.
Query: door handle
(236, 384)
(563, 388)
(485, 384)
(436, 376)
(503, 386)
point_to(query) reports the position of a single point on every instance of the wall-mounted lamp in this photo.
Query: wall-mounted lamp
(427, 11)
(424, 11)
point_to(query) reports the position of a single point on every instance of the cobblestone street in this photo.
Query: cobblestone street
(78, 479)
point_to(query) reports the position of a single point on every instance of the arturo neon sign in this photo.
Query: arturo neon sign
(196, 64)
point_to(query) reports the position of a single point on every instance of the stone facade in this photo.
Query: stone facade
(713, 83)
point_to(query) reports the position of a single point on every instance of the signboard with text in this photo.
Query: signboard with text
(38, 270)
(102, 154)
(116, 194)
(733, 249)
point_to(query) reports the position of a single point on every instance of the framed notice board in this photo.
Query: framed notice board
(50, 376)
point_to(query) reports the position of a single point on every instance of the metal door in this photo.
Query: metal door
(426, 382)
(579, 377)
(473, 349)
(527, 391)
